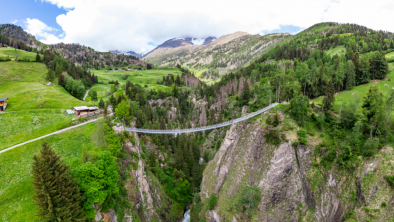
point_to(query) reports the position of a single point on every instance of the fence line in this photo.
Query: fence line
(197, 129)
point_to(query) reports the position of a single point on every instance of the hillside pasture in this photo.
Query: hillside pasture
(33, 108)
(360, 91)
(340, 50)
(16, 189)
(141, 77)
(12, 52)
(22, 71)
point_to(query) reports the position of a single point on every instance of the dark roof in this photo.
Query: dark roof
(3, 99)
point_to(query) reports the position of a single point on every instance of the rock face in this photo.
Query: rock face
(292, 188)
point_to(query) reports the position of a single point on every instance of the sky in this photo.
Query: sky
(142, 25)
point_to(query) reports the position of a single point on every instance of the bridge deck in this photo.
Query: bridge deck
(179, 131)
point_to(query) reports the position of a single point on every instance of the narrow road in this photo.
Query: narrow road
(57, 132)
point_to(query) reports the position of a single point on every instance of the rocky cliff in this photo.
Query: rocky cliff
(293, 185)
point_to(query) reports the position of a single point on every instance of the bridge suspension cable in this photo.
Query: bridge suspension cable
(197, 129)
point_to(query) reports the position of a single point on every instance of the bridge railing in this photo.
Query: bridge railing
(203, 128)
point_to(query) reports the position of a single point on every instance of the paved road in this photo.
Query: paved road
(57, 132)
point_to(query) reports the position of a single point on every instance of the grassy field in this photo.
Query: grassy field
(390, 55)
(11, 52)
(16, 189)
(33, 108)
(341, 50)
(22, 71)
(142, 77)
(360, 91)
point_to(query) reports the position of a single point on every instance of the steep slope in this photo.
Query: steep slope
(226, 54)
(292, 185)
(82, 55)
(176, 46)
(16, 32)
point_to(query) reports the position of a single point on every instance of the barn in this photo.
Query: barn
(3, 104)
(82, 110)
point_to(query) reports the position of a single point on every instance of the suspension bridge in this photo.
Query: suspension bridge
(197, 129)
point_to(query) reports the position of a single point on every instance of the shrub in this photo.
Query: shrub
(250, 198)
(272, 137)
(268, 120)
(213, 200)
(303, 141)
(367, 209)
(384, 204)
(390, 180)
(275, 123)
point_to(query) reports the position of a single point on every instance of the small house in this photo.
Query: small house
(129, 68)
(124, 69)
(139, 69)
(3, 104)
(82, 110)
(109, 69)
(116, 69)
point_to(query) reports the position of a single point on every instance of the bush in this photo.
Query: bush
(213, 200)
(275, 123)
(272, 137)
(390, 180)
(250, 198)
(384, 204)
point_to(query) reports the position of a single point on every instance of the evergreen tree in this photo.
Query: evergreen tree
(56, 193)
(101, 103)
(50, 76)
(38, 57)
(350, 75)
(245, 94)
(329, 97)
(373, 107)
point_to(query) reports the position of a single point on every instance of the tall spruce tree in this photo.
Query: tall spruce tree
(245, 94)
(56, 192)
(329, 97)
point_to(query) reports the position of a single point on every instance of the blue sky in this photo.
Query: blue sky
(142, 25)
(20, 10)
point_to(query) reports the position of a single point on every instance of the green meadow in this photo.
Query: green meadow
(16, 189)
(12, 52)
(33, 108)
(146, 78)
(360, 91)
(340, 50)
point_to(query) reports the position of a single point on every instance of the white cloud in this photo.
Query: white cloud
(14, 21)
(131, 25)
(41, 31)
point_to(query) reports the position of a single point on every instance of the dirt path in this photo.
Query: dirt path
(86, 95)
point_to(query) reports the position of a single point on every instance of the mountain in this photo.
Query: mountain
(176, 46)
(227, 53)
(138, 55)
(79, 54)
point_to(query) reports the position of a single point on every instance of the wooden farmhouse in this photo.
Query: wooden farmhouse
(3, 104)
(84, 110)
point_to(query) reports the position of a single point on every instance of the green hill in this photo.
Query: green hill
(33, 108)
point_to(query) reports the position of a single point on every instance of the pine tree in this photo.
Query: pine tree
(56, 192)
(245, 94)
(101, 103)
(38, 57)
(329, 97)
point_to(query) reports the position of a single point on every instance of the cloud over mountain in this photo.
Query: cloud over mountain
(130, 25)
